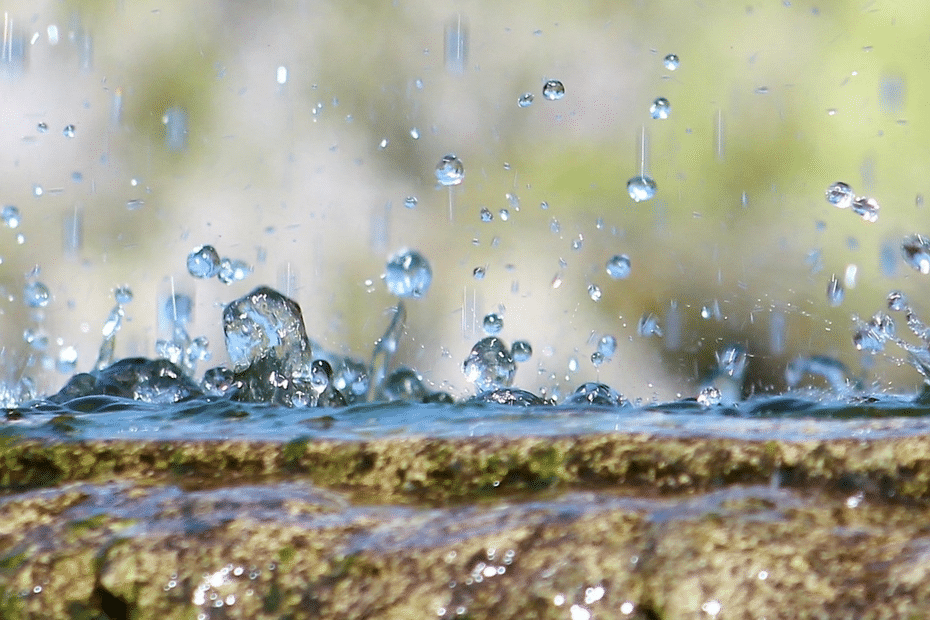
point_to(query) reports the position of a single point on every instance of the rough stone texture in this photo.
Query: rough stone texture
(612, 526)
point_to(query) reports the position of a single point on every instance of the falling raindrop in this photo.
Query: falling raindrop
(42, 127)
(594, 292)
(671, 62)
(641, 188)
(618, 267)
(553, 90)
(408, 274)
(525, 100)
(68, 131)
(450, 171)
(660, 109)
(607, 346)
(410, 202)
(478, 273)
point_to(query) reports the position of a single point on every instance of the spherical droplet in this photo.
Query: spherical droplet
(618, 267)
(450, 171)
(408, 274)
(203, 262)
(493, 324)
(410, 202)
(660, 109)
(641, 188)
(521, 351)
(525, 100)
(36, 295)
(553, 89)
(68, 131)
(671, 62)
(10, 216)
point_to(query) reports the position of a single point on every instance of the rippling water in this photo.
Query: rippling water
(787, 417)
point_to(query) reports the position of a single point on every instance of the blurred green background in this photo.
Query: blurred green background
(298, 155)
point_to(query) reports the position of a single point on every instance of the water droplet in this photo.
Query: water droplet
(42, 127)
(450, 171)
(897, 301)
(732, 361)
(233, 271)
(555, 227)
(410, 202)
(493, 324)
(485, 214)
(660, 109)
(594, 292)
(866, 208)
(489, 365)
(505, 215)
(67, 360)
(618, 267)
(916, 251)
(10, 216)
(408, 274)
(203, 262)
(36, 295)
(607, 346)
(870, 337)
(68, 131)
(35, 338)
(649, 326)
(525, 100)
(553, 90)
(709, 396)
(521, 351)
(671, 62)
(478, 273)
(835, 291)
(578, 243)
(513, 200)
(641, 188)
(281, 74)
(383, 144)
(122, 294)
(840, 195)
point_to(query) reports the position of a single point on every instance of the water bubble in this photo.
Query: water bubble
(594, 292)
(410, 202)
(671, 62)
(553, 90)
(607, 346)
(840, 195)
(493, 324)
(866, 208)
(203, 262)
(68, 131)
(525, 100)
(450, 171)
(521, 351)
(649, 326)
(36, 295)
(618, 267)
(486, 215)
(835, 291)
(478, 273)
(10, 216)
(641, 188)
(660, 109)
(916, 251)
(408, 274)
(489, 365)
(233, 271)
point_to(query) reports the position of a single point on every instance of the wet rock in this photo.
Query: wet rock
(618, 525)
